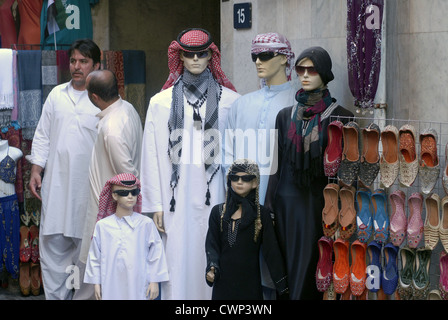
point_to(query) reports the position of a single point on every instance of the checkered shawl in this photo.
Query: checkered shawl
(274, 42)
(107, 205)
(191, 39)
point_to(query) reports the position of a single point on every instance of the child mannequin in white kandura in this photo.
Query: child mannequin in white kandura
(9, 157)
(126, 259)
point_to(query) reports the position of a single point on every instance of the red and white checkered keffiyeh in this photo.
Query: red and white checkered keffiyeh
(194, 41)
(274, 42)
(107, 205)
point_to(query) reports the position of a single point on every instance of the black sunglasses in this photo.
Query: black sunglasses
(264, 56)
(246, 178)
(301, 70)
(200, 54)
(125, 193)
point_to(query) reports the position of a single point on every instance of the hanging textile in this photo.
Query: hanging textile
(29, 31)
(8, 23)
(6, 79)
(64, 21)
(364, 19)
(114, 63)
(135, 79)
(49, 72)
(30, 90)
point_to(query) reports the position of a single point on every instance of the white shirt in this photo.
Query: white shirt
(125, 255)
(62, 145)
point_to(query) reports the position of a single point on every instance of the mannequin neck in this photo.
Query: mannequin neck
(277, 79)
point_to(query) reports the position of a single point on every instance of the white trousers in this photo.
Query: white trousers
(58, 257)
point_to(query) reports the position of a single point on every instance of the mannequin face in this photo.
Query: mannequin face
(80, 67)
(127, 202)
(272, 70)
(195, 64)
(310, 80)
(242, 188)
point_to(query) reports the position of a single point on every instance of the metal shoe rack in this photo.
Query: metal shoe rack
(442, 131)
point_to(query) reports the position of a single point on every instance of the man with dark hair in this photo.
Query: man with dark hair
(117, 150)
(62, 145)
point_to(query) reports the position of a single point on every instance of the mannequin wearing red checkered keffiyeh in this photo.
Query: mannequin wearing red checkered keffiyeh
(194, 40)
(107, 205)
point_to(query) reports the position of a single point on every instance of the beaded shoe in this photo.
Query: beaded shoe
(398, 220)
(389, 276)
(443, 278)
(349, 168)
(429, 167)
(407, 256)
(333, 151)
(358, 268)
(415, 222)
(25, 248)
(443, 228)
(445, 171)
(420, 278)
(347, 214)
(380, 216)
(331, 209)
(324, 271)
(341, 267)
(373, 259)
(407, 155)
(364, 220)
(432, 221)
(370, 159)
(389, 164)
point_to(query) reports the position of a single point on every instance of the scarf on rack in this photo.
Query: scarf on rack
(6, 79)
(250, 204)
(107, 205)
(197, 90)
(305, 137)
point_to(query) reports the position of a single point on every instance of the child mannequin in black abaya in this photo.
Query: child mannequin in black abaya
(238, 230)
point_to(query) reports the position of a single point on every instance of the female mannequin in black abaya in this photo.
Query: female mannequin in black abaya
(295, 191)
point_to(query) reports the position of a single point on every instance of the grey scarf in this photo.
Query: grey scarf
(197, 89)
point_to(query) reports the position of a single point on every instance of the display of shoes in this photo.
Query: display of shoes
(330, 211)
(398, 219)
(24, 278)
(389, 164)
(35, 279)
(443, 228)
(358, 268)
(434, 295)
(432, 221)
(341, 267)
(380, 216)
(373, 255)
(370, 158)
(349, 168)
(347, 214)
(333, 151)
(389, 276)
(407, 259)
(420, 277)
(364, 219)
(429, 167)
(415, 223)
(407, 155)
(324, 271)
(443, 277)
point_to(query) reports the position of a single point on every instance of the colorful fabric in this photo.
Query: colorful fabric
(274, 42)
(305, 134)
(194, 40)
(107, 205)
(6, 79)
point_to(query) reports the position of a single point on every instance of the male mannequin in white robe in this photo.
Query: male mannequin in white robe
(181, 203)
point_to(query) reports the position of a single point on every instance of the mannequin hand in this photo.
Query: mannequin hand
(153, 290)
(97, 291)
(211, 275)
(35, 181)
(158, 220)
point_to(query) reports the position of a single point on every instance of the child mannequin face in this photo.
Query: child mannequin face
(241, 187)
(127, 202)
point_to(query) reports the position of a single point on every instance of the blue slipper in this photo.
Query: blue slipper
(389, 276)
(364, 220)
(373, 281)
(380, 216)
